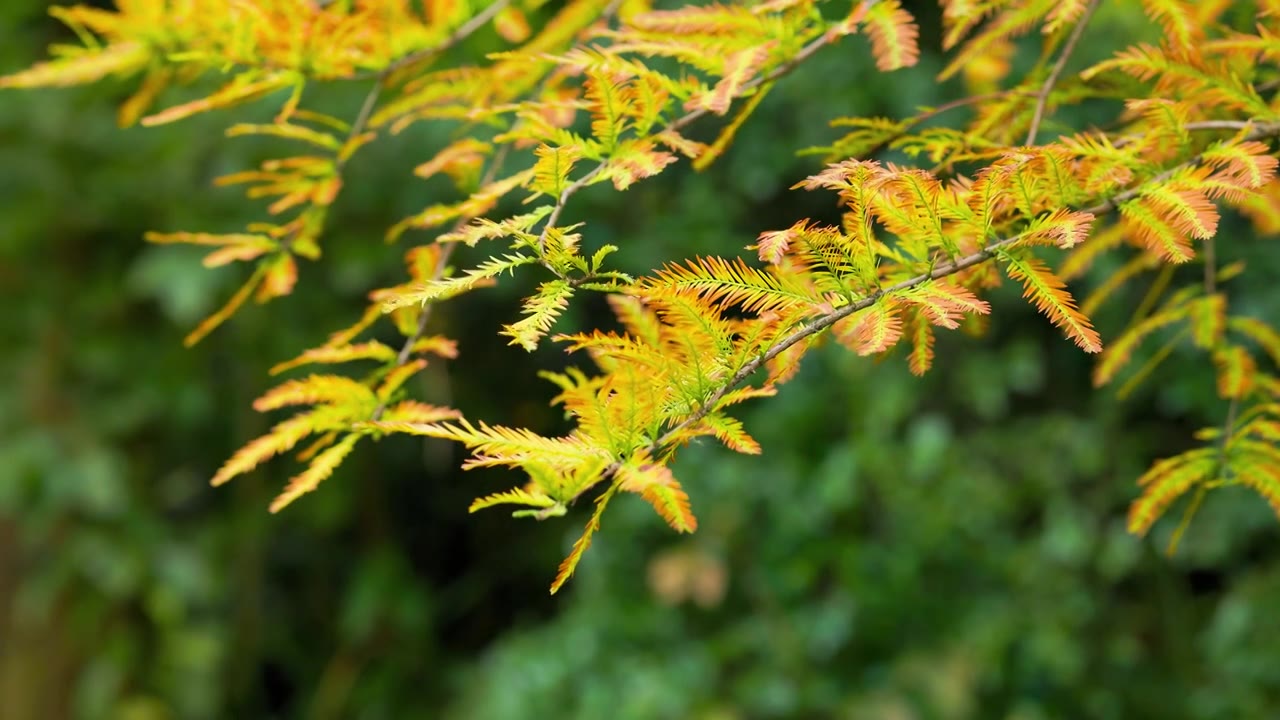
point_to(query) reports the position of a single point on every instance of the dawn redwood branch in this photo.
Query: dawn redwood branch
(1043, 98)
(813, 327)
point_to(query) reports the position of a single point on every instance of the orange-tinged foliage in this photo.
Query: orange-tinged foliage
(871, 331)
(659, 488)
(893, 35)
(592, 91)
(320, 468)
(570, 563)
(1050, 296)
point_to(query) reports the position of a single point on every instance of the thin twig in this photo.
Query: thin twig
(1210, 268)
(1218, 125)
(1185, 522)
(361, 121)
(1043, 98)
(462, 33)
(424, 316)
(1201, 126)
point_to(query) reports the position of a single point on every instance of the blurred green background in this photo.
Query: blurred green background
(943, 547)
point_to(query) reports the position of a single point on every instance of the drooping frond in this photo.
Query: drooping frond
(289, 131)
(1063, 228)
(321, 467)
(868, 134)
(313, 390)
(499, 445)
(1247, 165)
(655, 483)
(635, 159)
(893, 33)
(444, 289)
(124, 58)
(414, 411)
(1266, 337)
(726, 136)
(396, 377)
(517, 226)
(461, 161)
(219, 316)
(944, 303)
(731, 282)
(476, 204)
(739, 69)
(1256, 465)
(1236, 370)
(541, 309)
(580, 546)
(872, 331)
(231, 247)
(773, 245)
(515, 496)
(1168, 480)
(637, 318)
(1177, 20)
(551, 171)
(1063, 14)
(334, 354)
(1051, 298)
(729, 431)
(241, 89)
(1208, 320)
(279, 440)
(1010, 20)
(1117, 280)
(920, 333)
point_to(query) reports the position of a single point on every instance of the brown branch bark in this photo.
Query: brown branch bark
(1042, 98)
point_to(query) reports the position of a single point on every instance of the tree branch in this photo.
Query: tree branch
(1043, 98)
(817, 325)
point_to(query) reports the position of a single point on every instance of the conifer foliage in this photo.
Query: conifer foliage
(590, 92)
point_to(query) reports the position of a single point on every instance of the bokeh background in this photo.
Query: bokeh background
(907, 548)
